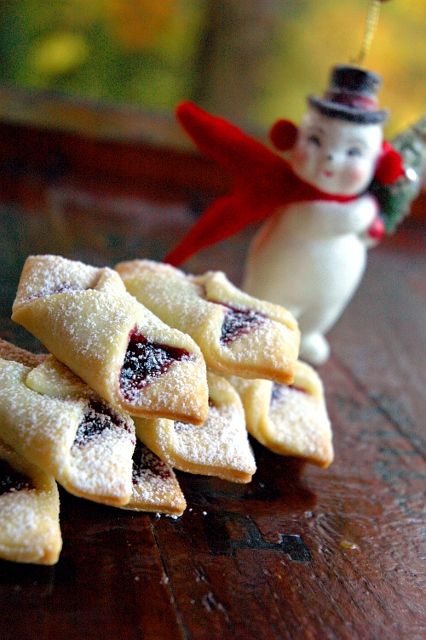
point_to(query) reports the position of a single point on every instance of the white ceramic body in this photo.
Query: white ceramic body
(310, 256)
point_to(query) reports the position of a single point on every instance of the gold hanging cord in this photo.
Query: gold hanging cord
(371, 23)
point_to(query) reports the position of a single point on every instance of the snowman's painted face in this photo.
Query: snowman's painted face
(336, 156)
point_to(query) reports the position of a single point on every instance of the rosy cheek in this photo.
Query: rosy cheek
(355, 175)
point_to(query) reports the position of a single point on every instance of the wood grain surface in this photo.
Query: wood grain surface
(297, 553)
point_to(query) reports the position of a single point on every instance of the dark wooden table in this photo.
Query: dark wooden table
(297, 553)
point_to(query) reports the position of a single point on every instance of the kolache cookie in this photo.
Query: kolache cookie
(84, 316)
(69, 432)
(219, 447)
(29, 511)
(154, 484)
(292, 419)
(237, 333)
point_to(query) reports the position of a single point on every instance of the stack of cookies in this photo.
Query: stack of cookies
(149, 370)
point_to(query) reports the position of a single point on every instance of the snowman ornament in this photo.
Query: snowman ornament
(318, 215)
(311, 256)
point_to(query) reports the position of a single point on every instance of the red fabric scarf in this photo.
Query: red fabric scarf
(263, 182)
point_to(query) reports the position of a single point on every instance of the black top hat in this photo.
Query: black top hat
(351, 96)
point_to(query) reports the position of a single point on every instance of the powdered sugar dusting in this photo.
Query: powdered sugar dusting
(234, 331)
(220, 445)
(46, 275)
(85, 316)
(301, 423)
(101, 455)
(44, 430)
(29, 518)
(269, 351)
(36, 425)
(167, 292)
(89, 331)
(144, 361)
(102, 469)
(155, 487)
(56, 380)
(181, 392)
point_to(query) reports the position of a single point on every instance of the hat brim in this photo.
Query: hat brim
(345, 112)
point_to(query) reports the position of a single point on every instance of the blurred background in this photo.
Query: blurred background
(93, 165)
(247, 60)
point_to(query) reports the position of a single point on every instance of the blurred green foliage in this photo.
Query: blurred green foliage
(144, 52)
(135, 51)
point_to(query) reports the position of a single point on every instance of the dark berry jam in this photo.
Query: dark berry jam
(145, 461)
(12, 480)
(50, 290)
(66, 286)
(144, 361)
(279, 389)
(98, 417)
(239, 322)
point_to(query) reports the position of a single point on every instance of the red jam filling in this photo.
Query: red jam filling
(97, 418)
(12, 480)
(144, 361)
(239, 322)
(145, 461)
(66, 286)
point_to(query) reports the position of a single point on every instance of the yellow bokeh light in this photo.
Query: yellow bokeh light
(59, 54)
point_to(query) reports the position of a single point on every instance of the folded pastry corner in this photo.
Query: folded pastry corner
(155, 486)
(9, 351)
(68, 431)
(86, 318)
(29, 511)
(219, 447)
(290, 420)
(238, 334)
